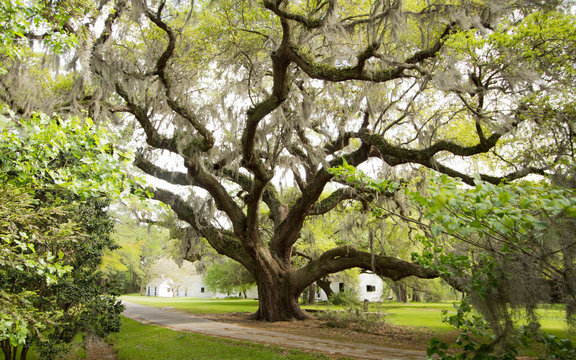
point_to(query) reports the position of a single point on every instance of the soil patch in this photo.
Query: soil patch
(402, 337)
(98, 349)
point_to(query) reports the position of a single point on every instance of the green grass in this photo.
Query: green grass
(137, 341)
(418, 315)
(197, 305)
(428, 315)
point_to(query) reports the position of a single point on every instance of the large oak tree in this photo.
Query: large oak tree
(246, 96)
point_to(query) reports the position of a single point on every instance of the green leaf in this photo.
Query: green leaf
(504, 197)
(436, 230)
(570, 211)
(541, 225)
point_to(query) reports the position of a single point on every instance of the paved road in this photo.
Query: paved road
(179, 321)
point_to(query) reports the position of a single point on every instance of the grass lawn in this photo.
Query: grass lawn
(427, 315)
(197, 305)
(137, 341)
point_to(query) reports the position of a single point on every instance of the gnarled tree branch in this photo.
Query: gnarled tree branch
(346, 257)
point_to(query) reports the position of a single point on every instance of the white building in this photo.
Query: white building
(193, 286)
(162, 287)
(189, 286)
(369, 287)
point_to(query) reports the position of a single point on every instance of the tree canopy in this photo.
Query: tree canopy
(237, 100)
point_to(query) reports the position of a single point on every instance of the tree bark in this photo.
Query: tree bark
(312, 293)
(278, 300)
(401, 292)
(6, 349)
(24, 353)
(325, 285)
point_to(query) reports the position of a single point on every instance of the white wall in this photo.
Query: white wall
(364, 280)
(163, 289)
(194, 287)
(252, 293)
(370, 286)
(191, 286)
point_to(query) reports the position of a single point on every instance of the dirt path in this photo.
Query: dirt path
(185, 322)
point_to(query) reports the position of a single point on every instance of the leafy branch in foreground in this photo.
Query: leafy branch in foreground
(519, 252)
(57, 178)
(509, 247)
(20, 223)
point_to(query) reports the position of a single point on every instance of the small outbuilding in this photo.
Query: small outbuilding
(369, 287)
(192, 286)
(162, 287)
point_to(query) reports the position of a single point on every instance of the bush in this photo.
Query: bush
(353, 318)
(344, 298)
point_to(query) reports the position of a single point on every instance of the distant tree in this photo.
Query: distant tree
(229, 277)
(140, 246)
(171, 270)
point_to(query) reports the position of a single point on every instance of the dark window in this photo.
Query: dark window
(341, 287)
(202, 290)
(370, 288)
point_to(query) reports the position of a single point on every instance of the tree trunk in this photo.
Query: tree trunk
(569, 281)
(325, 285)
(278, 299)
(24, 353)
(6, 349)
(312, 293)
(401, 292)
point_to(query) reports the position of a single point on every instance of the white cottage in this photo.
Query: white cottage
(192, 285)
(162, 287)
(369, 287)
(188, 286)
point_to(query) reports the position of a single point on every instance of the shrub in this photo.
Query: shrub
(344, 298)
(353, 318)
